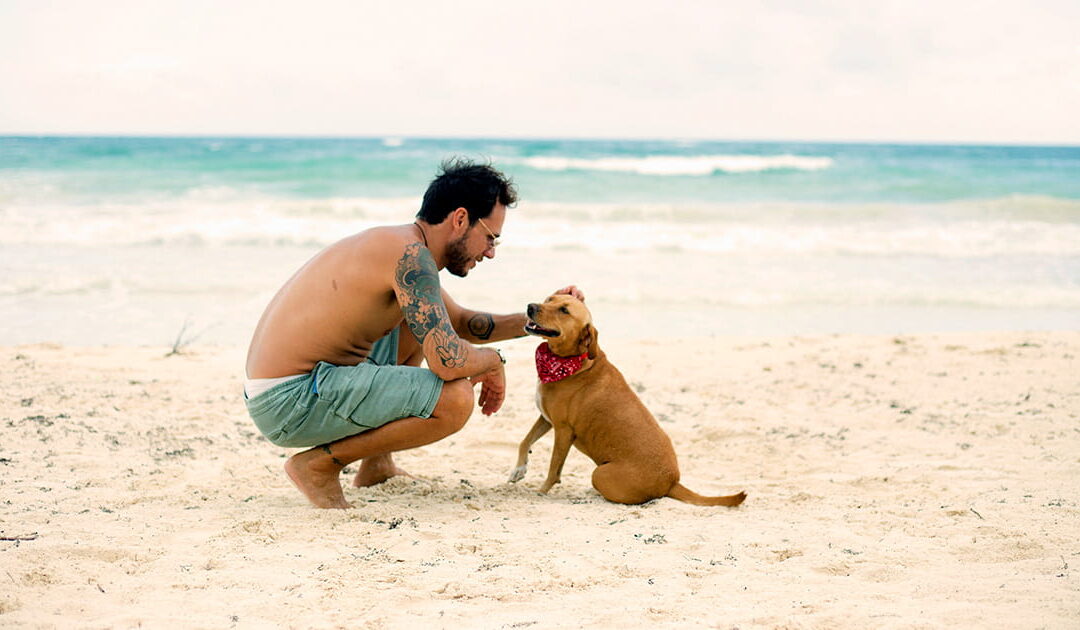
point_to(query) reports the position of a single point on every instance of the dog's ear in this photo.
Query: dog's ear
(587, 342)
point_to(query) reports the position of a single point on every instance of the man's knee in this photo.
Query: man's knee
(455, 405)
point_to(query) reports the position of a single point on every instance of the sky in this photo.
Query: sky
(843, 70)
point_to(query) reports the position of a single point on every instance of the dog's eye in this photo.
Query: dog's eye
(565, 310)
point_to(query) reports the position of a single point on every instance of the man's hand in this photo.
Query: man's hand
(492, 389)
(571, 290)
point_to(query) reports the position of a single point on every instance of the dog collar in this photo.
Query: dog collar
(550, 367)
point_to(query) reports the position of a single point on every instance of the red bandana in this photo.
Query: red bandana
(550, 367)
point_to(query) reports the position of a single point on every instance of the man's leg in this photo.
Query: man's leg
(315, 471)
(376, 469)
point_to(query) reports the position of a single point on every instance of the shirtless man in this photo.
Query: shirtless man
(334, 363)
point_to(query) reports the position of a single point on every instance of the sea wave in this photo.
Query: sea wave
(1010, 208)
(1035, 226)
(120, 287)
(953, 240)
(921, 295)
(792, 287)
(674, 165)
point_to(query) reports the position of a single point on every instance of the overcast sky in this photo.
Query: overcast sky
(907, 71)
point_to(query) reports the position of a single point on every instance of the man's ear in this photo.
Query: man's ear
(587, 341)
(459, 219)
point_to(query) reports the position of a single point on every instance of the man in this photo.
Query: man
(334, 361)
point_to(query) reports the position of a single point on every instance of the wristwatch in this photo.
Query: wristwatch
(501, 357)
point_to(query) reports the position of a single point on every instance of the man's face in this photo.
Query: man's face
(476, 244)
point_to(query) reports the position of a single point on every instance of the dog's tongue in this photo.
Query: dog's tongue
(550, 367)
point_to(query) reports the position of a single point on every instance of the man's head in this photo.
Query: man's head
(475, 197)
(462, 183)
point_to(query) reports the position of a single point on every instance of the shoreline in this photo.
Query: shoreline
(894, 481)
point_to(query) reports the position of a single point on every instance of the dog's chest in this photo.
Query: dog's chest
(553, 406)
(540, 401)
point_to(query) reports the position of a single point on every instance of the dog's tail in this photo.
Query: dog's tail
(682, 493)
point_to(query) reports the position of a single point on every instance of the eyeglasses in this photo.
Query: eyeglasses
(494, 239)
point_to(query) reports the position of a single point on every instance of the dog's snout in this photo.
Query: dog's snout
(531, 309)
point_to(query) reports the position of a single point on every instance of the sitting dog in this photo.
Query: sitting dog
(586, 399)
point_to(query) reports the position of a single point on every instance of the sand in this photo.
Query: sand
(894, 482)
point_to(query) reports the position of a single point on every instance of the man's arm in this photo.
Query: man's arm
(479, 327)
(416, 284)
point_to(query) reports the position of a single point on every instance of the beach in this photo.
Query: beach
(878, 343)
(894, 481)
(833, 247)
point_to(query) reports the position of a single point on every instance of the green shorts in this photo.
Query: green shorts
(334, 402)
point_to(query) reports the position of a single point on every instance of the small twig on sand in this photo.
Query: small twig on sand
(18, 538)
(180, 343)
(977, 514)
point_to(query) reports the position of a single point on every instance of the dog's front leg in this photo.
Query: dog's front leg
(564, 438)
(537, 431)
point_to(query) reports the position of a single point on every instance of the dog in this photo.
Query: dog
(589, 404)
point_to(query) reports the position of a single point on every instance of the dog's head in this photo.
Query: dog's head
(566, 323)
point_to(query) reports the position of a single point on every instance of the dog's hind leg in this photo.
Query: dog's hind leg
(537, 431)
(625, 483)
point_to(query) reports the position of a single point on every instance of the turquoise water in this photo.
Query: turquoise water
(94, 169)
(138, 234)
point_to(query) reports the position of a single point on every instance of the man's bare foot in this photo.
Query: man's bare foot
(377, 469)
(318, 483)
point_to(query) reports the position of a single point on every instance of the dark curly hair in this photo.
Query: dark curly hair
(462, 183)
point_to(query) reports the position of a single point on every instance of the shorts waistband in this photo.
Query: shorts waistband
(271, 397)
(255, 386)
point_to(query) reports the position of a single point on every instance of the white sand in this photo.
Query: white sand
(926, 481)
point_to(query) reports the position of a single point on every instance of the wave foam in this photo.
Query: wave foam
(683, 165)
(969, 229)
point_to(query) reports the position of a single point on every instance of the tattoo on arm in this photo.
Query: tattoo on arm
(481, 325)
(421, 301)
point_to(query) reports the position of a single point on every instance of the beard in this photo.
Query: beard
(457, 258)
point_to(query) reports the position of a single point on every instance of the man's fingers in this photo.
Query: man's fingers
(492, 391)
(491, 400)
(572, 290)
(493, 404)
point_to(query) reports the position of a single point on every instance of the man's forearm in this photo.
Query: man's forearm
(450, 357)
(486, 328)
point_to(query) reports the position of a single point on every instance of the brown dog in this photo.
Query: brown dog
(590, 406)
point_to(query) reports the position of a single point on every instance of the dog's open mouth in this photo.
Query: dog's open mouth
(535, 329)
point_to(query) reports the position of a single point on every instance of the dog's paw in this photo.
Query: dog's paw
(518, 474)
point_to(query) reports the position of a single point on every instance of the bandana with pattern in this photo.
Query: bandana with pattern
(550, 367)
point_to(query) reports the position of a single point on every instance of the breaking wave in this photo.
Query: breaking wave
(671, 165)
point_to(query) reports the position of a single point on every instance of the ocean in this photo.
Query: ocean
(129, 241)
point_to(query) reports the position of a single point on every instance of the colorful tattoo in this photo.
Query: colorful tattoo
(422, 304)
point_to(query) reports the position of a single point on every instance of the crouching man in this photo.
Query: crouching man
(334, 363)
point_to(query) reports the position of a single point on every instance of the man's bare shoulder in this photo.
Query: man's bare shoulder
(387, 241)
(370, 251)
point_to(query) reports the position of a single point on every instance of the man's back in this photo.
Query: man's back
(334, 308)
